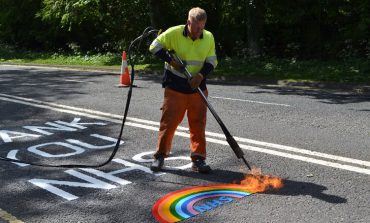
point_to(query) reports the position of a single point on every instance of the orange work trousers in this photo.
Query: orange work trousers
(175, 105)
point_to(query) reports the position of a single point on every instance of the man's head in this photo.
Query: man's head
(197, 19)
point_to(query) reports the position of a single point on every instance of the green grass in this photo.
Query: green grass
(356, 70)
(14, 56)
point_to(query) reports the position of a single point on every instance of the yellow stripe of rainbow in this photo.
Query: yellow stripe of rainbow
(177, 205)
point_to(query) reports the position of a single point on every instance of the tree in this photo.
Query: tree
(247, 28)
(18, 24)
(255, 20)
(156, 13)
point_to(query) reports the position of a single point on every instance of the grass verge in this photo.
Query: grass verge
(355, 70)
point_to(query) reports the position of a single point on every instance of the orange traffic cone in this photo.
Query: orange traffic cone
(124, 80)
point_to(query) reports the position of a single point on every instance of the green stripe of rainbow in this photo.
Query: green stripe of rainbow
(178, 205)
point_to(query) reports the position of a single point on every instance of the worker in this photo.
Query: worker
(195, 46)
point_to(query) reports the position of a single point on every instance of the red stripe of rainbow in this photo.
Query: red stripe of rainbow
(178, 205)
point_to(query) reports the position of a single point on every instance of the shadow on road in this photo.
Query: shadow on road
(297, 188)
(291, 188)
(324, 95)
(330, 93)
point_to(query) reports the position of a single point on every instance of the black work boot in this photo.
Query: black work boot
(157, 164)
(199, 165)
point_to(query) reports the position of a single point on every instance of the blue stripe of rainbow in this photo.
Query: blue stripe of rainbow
(178, 205)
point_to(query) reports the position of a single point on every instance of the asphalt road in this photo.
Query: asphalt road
(317, 141)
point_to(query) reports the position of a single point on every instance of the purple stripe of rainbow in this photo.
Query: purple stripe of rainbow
(181, 207)
(190, 204)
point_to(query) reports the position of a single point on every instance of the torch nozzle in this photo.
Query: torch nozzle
(246, 163)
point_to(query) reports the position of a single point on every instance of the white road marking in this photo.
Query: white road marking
(77, 81)
(29, 84)
(243, 100)
(84, 110)
(5, 79)
(296, 150)
(268, 148)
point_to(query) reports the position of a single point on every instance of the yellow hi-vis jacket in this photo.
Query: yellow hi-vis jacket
(194, 53)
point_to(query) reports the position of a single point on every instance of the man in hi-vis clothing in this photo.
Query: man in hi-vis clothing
(195, 46)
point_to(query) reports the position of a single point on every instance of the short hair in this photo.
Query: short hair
(197, 14)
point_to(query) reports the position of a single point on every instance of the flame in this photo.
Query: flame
(256, 182)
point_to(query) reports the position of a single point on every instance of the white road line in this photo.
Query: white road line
(77, 81)
(86, 110)
(297, 157)
(218, 135)
(258, 102)
(296, 150)
(30, 84)
(117, 119)
(5, 79)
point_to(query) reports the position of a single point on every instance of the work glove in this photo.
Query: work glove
(195, 81)
(178, 66)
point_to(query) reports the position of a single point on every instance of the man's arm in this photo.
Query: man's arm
(162, 54)
(206, 69)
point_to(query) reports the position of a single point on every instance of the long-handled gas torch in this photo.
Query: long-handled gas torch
(229, 138)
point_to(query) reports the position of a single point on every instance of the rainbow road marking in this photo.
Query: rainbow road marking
(186, 203)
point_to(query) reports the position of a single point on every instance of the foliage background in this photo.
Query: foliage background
(302, 29)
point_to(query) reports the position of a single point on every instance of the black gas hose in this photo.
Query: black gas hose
(147, 32)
